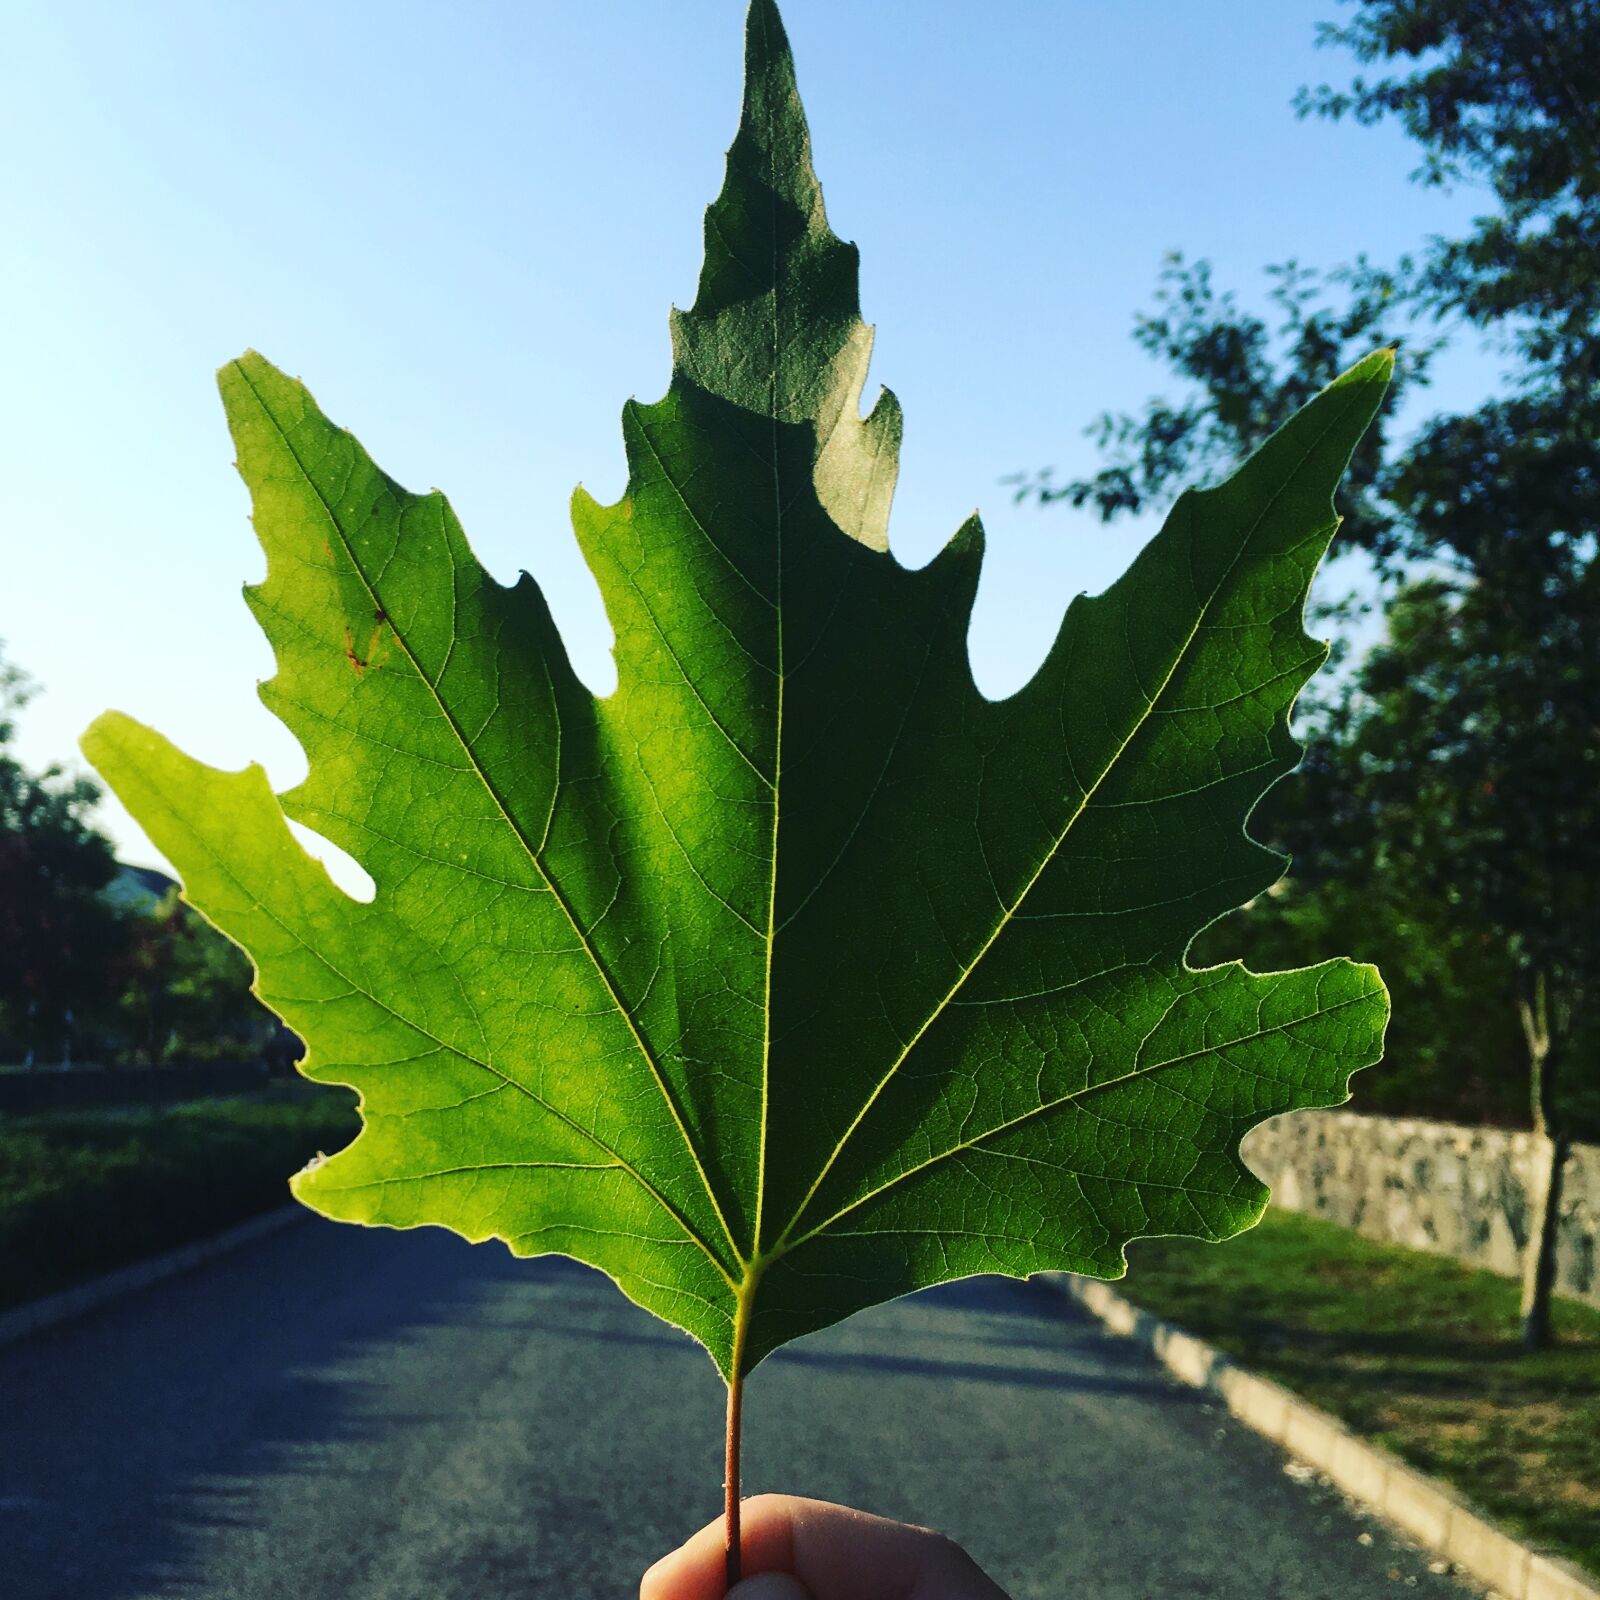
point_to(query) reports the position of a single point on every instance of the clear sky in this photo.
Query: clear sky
(463, 221)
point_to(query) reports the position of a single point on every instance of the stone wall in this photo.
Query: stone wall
(1431, 1185)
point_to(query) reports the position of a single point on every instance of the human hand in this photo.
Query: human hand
(810, 1550)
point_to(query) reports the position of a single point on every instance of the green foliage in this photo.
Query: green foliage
(1466, 727)
(1448, 814)
(1448, 810)
(1247, 375)
(87, 1192)
(86, 973)
(58, 935)
(1508, 495)
(1508, 99)
(794, 975)
(1454, 1042)
(185, 994)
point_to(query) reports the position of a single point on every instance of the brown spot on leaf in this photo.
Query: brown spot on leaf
(374, 654)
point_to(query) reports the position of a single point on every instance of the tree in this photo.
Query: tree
(1455, 780)
(149, 984)
(58, 935)
(185, 994)
(1248, 376)
(1445, 825)
(1506, 95)
(1509, 96)
(1477, 729)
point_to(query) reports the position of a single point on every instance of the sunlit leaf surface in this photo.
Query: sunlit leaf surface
(795, 974)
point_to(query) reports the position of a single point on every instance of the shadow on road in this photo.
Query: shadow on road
(997, 1315)
(132, 1439)
(129, 1434)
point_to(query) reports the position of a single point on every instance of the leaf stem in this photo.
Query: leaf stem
(730, 1479)
(730, 1502)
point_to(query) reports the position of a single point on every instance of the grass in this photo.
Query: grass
(1412, 1350)
(83, 1192)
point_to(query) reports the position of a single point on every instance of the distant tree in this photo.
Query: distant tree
(185, 993)
(59, 938)
(1502, 94)
(145, 984)
(1508, 96)
(1248, 374)
(1449, 805)
(1454, 1037)
(1481, 725)
(1448, 830)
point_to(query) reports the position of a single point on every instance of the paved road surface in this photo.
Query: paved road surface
(357, 1415)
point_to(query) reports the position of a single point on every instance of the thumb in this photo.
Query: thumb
(770, 1586)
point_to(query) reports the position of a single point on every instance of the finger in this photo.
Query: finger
(835, 1552)
(770, 1586)
(697, 1569)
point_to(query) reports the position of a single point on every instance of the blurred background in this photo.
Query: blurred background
(1109, 249)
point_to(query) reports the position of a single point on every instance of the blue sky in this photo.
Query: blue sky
(463, 224)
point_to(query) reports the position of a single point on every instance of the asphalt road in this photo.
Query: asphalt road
(331, 1412)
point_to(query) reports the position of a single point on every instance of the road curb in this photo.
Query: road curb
(36, 1315)
(1429, 1511)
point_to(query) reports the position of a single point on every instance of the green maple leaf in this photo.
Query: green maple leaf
(795, 974)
